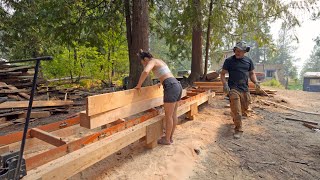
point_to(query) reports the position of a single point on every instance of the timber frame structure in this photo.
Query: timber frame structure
(67, 147)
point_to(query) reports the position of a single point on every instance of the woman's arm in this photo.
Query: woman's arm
(145, 73)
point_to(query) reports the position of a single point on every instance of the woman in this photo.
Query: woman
(172, 91)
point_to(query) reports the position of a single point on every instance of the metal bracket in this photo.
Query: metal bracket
(8, 162)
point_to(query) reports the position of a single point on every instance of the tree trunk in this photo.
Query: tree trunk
(137, 37)
(208, 42)
(197, 62)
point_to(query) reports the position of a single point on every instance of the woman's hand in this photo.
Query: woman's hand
(138, 87)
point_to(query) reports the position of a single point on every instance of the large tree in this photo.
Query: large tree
(137, 21)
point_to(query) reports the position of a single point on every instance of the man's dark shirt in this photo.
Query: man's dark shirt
(238, 72)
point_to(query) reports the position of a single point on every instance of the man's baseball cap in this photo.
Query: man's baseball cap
(242, 45)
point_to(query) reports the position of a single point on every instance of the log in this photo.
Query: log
(286, 107)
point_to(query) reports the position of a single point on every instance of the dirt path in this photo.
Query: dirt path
(271, 147)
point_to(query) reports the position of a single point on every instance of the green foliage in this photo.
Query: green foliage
(86, 38)
(272, 83)
(295, 84)
(313, 63)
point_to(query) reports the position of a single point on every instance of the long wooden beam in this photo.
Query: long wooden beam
(92, 122)
(105, 102)
(98, 120)
(77, 161)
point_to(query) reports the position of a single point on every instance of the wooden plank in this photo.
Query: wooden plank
(292, 109)
(94, 121)
(36, 114)
(105, 102)
(4, 149)
(11, 113)
(21, 94)
(19, 68)
(15, 97)
(46, 137)
(24, 104)
(9, 91)
(300, 120)
(6, 124)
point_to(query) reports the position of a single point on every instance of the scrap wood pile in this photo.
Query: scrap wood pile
(217, 87)
(15, 87)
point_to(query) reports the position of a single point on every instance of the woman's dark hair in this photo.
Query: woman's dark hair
(142, 54)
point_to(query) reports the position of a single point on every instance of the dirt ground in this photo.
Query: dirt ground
(270, 148)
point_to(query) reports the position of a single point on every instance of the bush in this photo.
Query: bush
(295, 84)
(272, 83)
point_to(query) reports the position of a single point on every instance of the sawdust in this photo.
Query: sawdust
(271, 147)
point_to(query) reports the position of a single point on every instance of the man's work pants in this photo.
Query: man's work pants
(239, 104)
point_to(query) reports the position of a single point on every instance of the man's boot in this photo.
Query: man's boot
(238, 129)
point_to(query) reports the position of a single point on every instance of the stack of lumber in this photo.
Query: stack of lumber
(217, 87)
(15, 112)
(54, 92)
(20, 76)
(15, 87)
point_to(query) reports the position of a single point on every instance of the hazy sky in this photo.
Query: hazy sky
(308, 31)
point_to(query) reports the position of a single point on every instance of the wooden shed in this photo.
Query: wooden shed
(311, 81)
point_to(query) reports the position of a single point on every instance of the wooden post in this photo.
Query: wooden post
(154, 131)
(210, 99)
(193, 111)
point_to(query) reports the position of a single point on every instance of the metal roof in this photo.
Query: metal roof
(311, 74)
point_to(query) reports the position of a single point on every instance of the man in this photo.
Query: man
(239, 68)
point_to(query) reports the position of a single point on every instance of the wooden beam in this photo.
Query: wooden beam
(77, 161)
(154, 132)
(46, 137)
(193, 111)
(15, 137)
(24, 104)
(36, 114)
(94, 121)
(105, 102)
(4, 149)
(55, 153)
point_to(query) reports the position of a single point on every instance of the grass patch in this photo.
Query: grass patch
(272, 83)
(295, 85)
